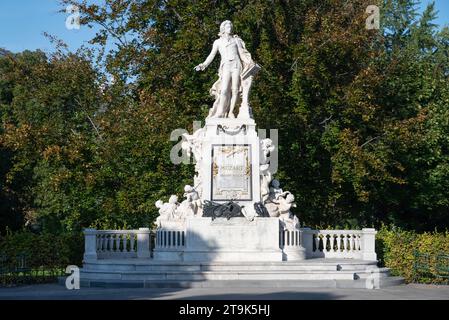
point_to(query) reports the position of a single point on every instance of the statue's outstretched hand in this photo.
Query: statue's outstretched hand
(200, 67)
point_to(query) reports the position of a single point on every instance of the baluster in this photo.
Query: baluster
(346, 243)
(317, 242)
(112, 237)
(338, 242)
(325, 240)
(351, 242)
(131, 242)
(126, 236)
(124, 242)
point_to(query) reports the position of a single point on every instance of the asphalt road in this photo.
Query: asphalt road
(57, 292)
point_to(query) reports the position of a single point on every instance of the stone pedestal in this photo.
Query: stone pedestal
(232, 240)
(294, 254)
(230, 162)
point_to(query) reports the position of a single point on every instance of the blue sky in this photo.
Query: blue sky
(22, 23)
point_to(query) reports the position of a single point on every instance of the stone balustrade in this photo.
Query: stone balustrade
(170, 239)
(288, 238)
(169, 244)
(345, 244)
(117, 244)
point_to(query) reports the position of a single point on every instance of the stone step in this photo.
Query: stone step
(231, 275)
(275, 284)
(324, 273)
(279, 267)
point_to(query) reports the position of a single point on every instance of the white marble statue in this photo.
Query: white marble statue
(192, 205)
(276, 190)
(280, 205)
(266, 147)
(236, 73)
(174, 213)
(167, 211)
(193, 144)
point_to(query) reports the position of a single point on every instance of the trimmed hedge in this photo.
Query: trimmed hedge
(44, 250)
(395, 249)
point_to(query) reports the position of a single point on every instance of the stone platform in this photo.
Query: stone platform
(322, 273)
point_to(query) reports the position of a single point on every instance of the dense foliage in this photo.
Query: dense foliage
(362, 115)
(396, 250)
(43, 250)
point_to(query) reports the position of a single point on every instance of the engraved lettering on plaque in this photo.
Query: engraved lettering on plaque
(231, 172)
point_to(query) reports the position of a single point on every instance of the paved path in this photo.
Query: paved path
(56, 292)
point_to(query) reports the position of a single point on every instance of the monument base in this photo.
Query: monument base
(232, 240)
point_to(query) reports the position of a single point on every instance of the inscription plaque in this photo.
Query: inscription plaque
(231, 172)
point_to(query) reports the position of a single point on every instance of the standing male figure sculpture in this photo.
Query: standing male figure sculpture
(236, 73)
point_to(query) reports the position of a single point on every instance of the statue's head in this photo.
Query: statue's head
(173, 200)
(159, 204)
(225, 28)
(290, 198)
(275, 183)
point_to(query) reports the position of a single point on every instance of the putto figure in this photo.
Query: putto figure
(235, 75)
